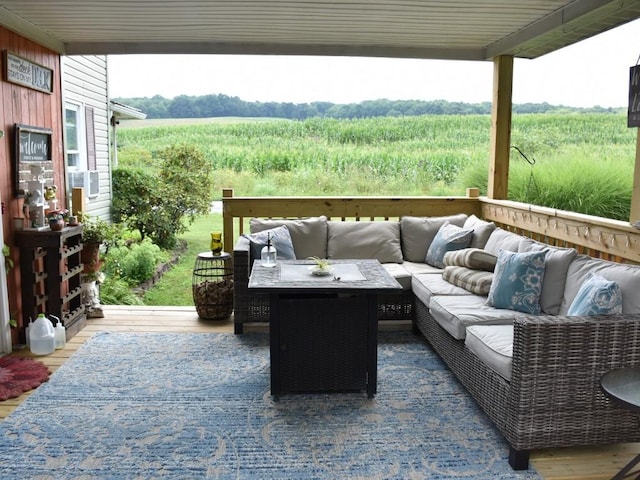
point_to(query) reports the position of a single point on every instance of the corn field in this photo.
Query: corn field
(423, 155)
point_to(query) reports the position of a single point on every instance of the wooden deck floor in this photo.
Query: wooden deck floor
(584, 463)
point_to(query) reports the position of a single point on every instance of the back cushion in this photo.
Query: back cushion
(481, 231)
(503, 240)
(419, 232)
(308, 235)
(555, 273)
(627, 277)
(375, 240)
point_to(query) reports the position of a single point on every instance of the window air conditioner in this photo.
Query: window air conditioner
(89, 180)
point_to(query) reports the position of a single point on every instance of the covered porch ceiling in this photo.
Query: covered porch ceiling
(434, 29)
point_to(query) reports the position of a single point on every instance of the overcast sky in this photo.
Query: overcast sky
(592, 72)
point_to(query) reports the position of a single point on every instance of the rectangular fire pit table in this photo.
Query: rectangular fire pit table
(323, 329)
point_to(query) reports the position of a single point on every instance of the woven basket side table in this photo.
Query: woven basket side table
(212, 285)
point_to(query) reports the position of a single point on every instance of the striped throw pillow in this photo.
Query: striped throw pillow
(474, 281)
(473, 258)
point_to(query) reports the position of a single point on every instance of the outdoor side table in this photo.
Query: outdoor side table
(622, 385)
(212, 285)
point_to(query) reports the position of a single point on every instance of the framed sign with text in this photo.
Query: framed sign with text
(27, 73)
(32, 148)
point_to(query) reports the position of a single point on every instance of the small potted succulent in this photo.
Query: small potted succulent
(321, 266)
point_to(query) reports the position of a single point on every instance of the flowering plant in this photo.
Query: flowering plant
(53, 215)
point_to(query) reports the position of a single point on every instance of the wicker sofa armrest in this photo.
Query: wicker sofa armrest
(557, 365)
(241, 272)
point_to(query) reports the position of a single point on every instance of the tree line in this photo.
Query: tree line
(220, 105)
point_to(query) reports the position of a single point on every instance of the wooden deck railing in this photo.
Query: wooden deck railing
(595, 236)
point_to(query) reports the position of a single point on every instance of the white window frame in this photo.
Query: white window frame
(81, 151)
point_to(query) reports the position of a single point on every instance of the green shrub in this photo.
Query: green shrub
(160, 206)
(134, 263)
(115, 291)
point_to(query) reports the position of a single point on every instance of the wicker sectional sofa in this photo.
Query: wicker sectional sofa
(536, 375)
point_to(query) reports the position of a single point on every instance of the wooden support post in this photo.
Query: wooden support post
(498, 182)
(227, 222)
(635, 196)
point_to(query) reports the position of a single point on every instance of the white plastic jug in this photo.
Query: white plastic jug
(61, 333)
(42, 337)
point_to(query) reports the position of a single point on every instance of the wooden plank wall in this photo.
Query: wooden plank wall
(23, 105)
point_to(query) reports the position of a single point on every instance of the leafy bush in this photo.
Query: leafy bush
(115, 291)
(134, 263)
(160, 207)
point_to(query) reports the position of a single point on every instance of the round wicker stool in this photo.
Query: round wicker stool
(212, 285)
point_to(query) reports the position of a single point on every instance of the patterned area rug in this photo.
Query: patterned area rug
(19, 375)
(198, 406)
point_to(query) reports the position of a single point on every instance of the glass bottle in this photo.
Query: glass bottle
(216, 243)
(268, 254)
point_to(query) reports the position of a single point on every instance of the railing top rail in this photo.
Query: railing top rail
(613, 238)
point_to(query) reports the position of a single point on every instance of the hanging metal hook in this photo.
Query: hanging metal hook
(530, 162)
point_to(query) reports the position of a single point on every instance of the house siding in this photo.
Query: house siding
(84, 80)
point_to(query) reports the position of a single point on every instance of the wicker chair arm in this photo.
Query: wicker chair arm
(241, 272)
(559, 360)
(241, 254)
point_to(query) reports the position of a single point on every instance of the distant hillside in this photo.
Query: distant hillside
(207, 106)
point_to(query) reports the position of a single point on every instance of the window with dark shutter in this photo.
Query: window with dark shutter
(91, 139)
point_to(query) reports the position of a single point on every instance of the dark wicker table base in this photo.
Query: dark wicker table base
(323, 331)
(323, 343)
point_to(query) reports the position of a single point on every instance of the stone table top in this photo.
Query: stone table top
(346, 276)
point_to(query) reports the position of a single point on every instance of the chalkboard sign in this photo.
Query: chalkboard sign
(33, 144)
(633, 114)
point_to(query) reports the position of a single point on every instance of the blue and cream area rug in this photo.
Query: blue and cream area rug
(193, 406)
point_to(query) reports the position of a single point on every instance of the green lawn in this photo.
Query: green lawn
(174, 288)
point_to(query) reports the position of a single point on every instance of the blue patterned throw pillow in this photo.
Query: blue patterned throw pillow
(280, 239)
(597, 295)
(517, 281)
(448, 239)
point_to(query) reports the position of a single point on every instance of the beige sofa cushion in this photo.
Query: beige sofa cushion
(308, 235)
(557, 263)
(481, 231)
(493, 344)
(456, 313)
(503, 240)
(425, 285)
(419, 232)
(627, 277)
(375, 240)
(416, 268)
(401, 274)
